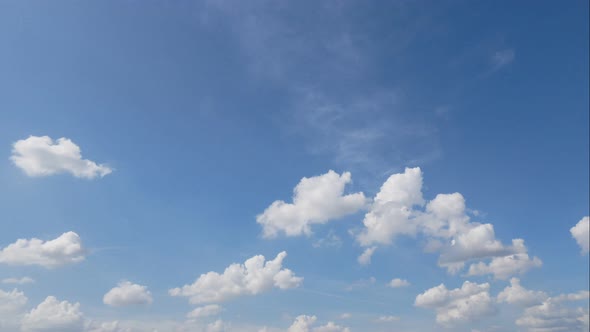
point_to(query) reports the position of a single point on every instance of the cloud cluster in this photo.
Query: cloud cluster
(470, 302)
(580, 232)
(127, 293)
(65, 249)
(545, 313)
(400, 209)
(316, 200)
(54, 315)
(304, 323)
(41, 156)
(253, 277)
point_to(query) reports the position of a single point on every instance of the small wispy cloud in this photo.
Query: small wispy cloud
(18, 281)
(502, 58)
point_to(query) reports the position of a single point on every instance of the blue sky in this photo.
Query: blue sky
(195, 116)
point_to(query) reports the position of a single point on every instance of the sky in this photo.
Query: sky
(294, 166)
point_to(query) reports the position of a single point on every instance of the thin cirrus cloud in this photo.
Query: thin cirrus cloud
(205, 311)
(399, 209)
(42, 156)
(253, 277)
(65, 249)
(316, 200)
(18, 281)
(580, 232)
(127, 293)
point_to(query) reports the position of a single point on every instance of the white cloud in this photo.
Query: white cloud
(11, 309)
(391, 211)
(581, 233)
(516, 294)
(53, 315)
(66, 249)
(387, 319)
(316, 200)
(504, 267)
(396, 283)
(398, 209)
(553, 316)
(217, 326)
(304, 323)
(253, 277)
(205, 311)
(41, 156)
(345, 315)
(468, 303)
(18, 281)
(365, 257)
(127, 293)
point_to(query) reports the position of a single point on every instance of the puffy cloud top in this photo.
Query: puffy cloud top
(127, 293)
(581, 234)
(470, 302)
(53, 315)
(65, 249)
(41, 156)
(253, 277)
(316, 200)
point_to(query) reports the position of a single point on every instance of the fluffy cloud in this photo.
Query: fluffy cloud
(65, 249)
(316, 200)
(18, 281)
(53, 315)
(543, 313)
(127, 293)
(553, 316)
(205, 311)
(304, 323)
(399, 209)
(11, 306)
(581, 234)
(396, 283)
(516, 294)
(468, 303)
(253, 277)
(504, 267)
(365, 257)
(391, 212)
(41, 156)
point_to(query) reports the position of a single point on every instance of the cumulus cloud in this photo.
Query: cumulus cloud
(397, 282)
(516, 294)
(11, 308)
(66, 249)
(205, 311)
(41, 156)
(391, 212)
(553, 316)
(304, 323)
(18, 281)
(504, 267)
(53, 315)
(253, 277)
(316, 200)
(468, 303)
(365, 257)
(400, 209)
(581, 234)
(127, 293)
